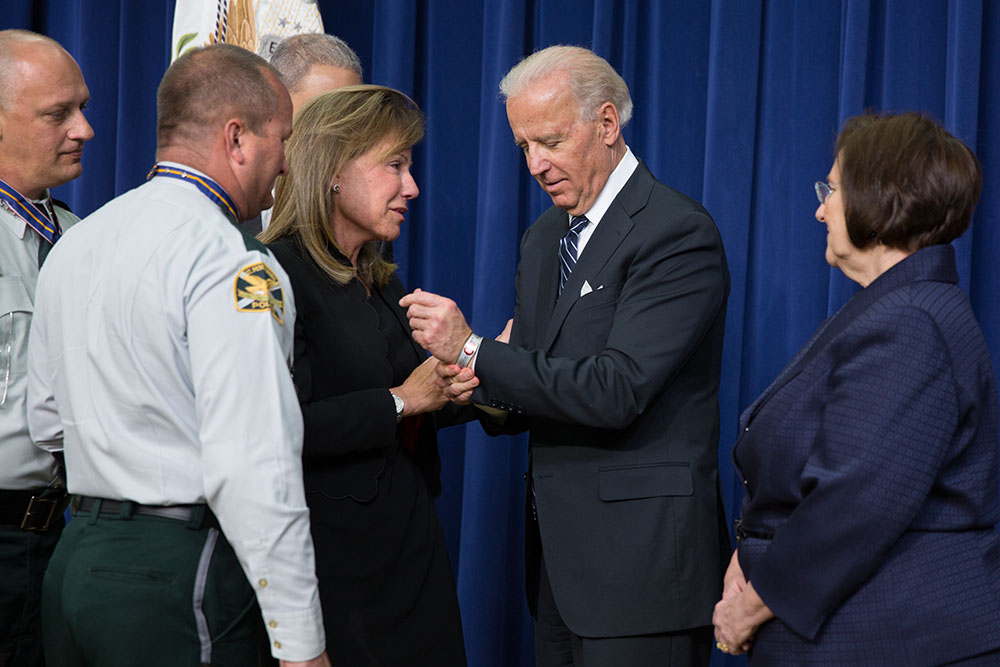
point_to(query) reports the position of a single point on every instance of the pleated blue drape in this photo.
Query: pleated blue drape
(737, 103)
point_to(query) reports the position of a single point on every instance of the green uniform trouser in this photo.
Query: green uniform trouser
(23, 558)
(125, 589)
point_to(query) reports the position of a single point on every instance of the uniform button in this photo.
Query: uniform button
(272, 624)
(277, 644)
(262, 583)
(746, 429)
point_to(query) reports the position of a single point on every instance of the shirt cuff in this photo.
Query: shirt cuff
(294, 635)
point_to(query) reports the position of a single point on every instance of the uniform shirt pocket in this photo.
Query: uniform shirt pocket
(15, 315)
(645, 481)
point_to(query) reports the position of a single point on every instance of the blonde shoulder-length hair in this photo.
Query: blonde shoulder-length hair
(329, 131)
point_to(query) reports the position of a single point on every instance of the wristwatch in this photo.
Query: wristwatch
(399, 407)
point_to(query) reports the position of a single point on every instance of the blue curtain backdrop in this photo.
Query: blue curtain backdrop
(737, 103)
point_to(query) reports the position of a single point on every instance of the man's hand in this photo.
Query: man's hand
(320, 661)
(438, 325)
(457, 383)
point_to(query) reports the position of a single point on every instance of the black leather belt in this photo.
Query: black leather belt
(35, 510)
(743, 533)
(196, 516)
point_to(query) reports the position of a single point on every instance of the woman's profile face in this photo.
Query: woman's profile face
(839, 249)
(375, 189)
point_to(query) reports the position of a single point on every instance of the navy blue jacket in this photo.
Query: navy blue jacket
(872, 459)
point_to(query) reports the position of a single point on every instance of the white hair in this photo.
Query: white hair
(592, 81)
(294, 56)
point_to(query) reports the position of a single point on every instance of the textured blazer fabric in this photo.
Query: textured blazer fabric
(872, 459)
(619, 388)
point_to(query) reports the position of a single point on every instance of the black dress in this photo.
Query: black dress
(385, 583)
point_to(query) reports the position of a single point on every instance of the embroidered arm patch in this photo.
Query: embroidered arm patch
(257, 289)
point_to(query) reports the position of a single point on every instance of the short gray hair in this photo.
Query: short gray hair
(294, 57)
(9, 39)
(592, 81)
(208, 85)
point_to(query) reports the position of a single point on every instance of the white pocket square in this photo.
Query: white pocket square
(587, 289)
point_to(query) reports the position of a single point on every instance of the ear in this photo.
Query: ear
(235, 133)
(607, 116)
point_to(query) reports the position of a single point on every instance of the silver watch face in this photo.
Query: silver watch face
(399, 404)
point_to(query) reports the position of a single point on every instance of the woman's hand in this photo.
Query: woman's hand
(737, 617)
(456, 383)
(734, 582)
(420, 391)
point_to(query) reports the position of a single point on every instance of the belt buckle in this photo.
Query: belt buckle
(38, 516)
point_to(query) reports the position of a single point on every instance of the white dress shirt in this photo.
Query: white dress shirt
(164, 385)
(616, 181)
(22, 465)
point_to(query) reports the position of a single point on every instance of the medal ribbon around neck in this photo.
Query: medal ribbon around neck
(35, 217)
(205, 185)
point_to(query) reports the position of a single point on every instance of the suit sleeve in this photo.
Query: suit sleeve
(509, 423)
(889, 417)
(673, 291)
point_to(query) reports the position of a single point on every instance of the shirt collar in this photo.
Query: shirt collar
(16, 223)
(616, 181)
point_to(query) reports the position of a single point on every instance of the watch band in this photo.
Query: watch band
(399, 406)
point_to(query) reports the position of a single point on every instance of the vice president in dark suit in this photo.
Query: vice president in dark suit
(370, 403)
(613, 365)
(870, 463)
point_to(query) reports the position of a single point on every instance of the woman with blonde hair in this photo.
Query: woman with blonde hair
(369, 399)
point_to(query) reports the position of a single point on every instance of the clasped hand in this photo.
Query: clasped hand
(739, 613)
(440, 328)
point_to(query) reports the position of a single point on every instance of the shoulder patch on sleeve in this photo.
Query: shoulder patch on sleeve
(257, 289)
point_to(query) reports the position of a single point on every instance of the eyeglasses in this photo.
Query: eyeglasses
(823, 190)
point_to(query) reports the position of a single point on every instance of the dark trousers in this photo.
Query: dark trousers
(557, 646)
(24, 556)
(134, 590)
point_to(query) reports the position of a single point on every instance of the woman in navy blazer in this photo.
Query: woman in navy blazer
(870, 464)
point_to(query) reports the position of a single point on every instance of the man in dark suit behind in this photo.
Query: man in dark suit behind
(613, 364)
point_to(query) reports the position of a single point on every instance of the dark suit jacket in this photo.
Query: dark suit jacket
(343, 377)
(620, 391)
(873, 461)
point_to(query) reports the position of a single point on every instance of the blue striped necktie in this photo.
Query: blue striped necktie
(568, 249)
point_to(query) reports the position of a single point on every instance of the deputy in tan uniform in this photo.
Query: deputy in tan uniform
(42, 133)
(163, 375)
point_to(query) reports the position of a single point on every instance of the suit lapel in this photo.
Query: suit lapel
(612, 230)
(541, 269)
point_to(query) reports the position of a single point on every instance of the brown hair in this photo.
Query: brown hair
(329, 131)
(905, 181)
(209, 85)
